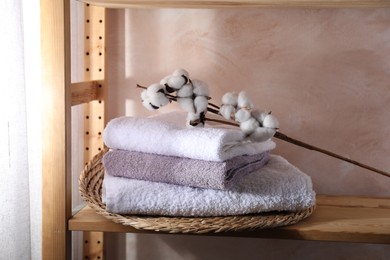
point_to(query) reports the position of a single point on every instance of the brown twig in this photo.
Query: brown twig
(281, 136)
(288, 139)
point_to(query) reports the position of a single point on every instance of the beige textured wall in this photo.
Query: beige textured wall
(324, 74)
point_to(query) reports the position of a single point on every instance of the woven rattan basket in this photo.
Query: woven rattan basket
(91, 189)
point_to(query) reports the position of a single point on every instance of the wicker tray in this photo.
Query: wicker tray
(91, 180)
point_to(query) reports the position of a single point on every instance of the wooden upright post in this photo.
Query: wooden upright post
(56, 200)
(94, 69)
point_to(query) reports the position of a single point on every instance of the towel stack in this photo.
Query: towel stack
(158, 166)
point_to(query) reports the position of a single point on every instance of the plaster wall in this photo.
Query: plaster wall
(324, 73)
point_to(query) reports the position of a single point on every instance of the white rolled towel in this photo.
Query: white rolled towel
(167, 134)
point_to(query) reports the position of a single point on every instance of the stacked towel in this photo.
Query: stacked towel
(158, 166)
(181, 171)
(279, 186)
(168, 135)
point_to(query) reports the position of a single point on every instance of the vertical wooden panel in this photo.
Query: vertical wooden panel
(55, 53)
(94, 29)
(94, 70)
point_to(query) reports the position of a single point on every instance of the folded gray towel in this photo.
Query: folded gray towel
(179, 170)
(277, 186)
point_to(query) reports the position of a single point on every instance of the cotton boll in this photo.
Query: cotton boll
(230, 98)
(167, 88)
(259, 115)
(144, 95)
(200, 103)
(185, 91)
(165, 80)
(176, 82)
(181, 72)
(244, 101)
(187, 104)
(249, 126)
(227, 111)
(146, 103)
(154, 88)
(262, 134)
(192, 116)
(270, 122)
(242, 115)
(158, 100)
(200, 88)
(194, 119)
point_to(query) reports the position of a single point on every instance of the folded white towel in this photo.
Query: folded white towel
(167, 134)
(279, 186)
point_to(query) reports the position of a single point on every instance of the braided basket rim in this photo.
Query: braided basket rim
(91, 180)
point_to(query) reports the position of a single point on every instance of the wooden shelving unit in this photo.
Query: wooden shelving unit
(348, 219)
(337, 218)
(240, 3)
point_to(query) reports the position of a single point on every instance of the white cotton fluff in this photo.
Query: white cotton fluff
(242, 115)
(181, 72)
(176, 82)
(144, 95)
(200, 88)
(249, 126)
(185, 91)
(259, 115)
(200, 103)
(193, 117)
(154, 88)
(187, 104)
(165, 80)
(270, 122)
(158, 99)
(262, 134)
(227, 111)
(244, 100)
(153, 100)
(146, 103)
(230, 98)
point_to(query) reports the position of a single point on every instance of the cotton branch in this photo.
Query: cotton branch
(212, 108)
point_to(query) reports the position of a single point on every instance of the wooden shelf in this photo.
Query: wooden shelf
(336, 218)
(239, 3)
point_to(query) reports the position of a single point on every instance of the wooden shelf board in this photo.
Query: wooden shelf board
(239, 3)
(336, 218)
